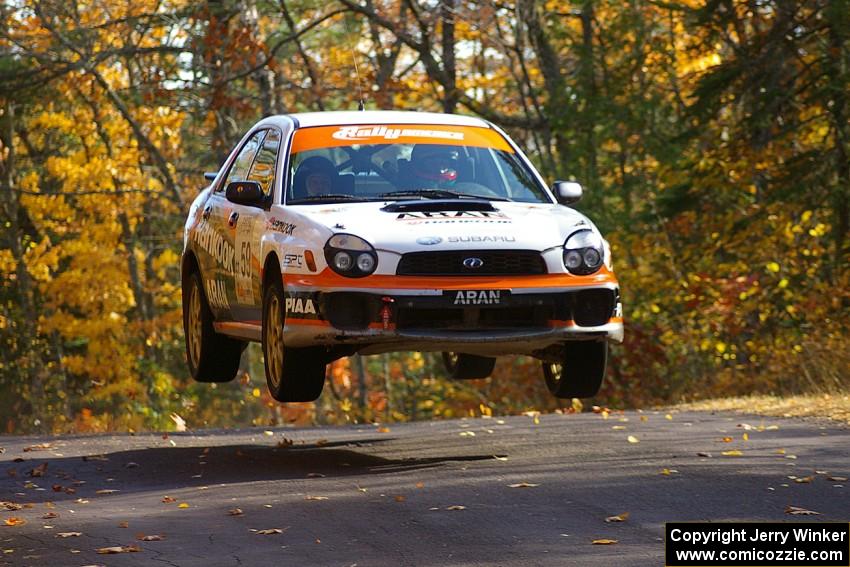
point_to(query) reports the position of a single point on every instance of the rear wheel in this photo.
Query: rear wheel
(292, 374)
(468, 366)
(212, 357)
(580, 372)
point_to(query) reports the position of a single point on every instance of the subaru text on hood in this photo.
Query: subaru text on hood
(334, 233)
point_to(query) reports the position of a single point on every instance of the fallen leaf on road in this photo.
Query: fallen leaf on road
(10, 506)
(804, 480)
(95, 458)
(456, 507)
(727, 439)
(39, 447)
(836, 478)
(467, 434)
(322, 442)
(183, 505)
(771, 428)
(131, 465)
(14, 521)
(618, 427)
(360, 488)
(168, 500)
(39, 470)
(704, 454)
(498, 458)
(81, 501)
(308, 497)
(268, 432)
(644, 418)
(604, 541)
(399, 498)
(315, 475)
(668, 472)
(745, 436)
(235, 512)
(522, 485)
(797, 511)
(732, 453)
(123, 524)
(618, 518)
(420, 485)
(119, 549)
(668, 417)
(50, 516)
(383, 429)
(155, 537)
(283, 443)
(780, 451)
(69, 534)
(632, 439)
(107, 491)
(269, 531)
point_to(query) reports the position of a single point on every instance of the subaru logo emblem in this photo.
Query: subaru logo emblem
(429, 240)
(473, 263)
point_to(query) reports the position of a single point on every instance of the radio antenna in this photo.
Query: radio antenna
(361, 105)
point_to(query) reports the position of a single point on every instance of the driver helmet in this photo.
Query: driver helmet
(315, 176)
(435, 164)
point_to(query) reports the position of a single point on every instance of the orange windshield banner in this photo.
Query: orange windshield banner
(335, 136)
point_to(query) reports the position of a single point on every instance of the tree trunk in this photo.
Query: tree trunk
(450, 95)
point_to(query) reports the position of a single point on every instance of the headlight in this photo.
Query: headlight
(350, 256)
(584, 252)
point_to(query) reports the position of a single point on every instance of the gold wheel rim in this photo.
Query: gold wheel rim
(195, 328)
(274, 342)
(556, 371)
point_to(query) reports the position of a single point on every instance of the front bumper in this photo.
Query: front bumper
(485, 322)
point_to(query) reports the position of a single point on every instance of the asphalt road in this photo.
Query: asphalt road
(432, 493)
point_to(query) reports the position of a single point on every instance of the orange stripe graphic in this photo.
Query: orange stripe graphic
(336, 136)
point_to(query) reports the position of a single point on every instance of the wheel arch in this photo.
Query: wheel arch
(271, 268)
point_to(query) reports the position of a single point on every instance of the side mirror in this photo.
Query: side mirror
(245, 193)
(567, 192)
(210, 175)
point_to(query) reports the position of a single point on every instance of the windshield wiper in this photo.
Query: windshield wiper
(331, 198)
(437, 194)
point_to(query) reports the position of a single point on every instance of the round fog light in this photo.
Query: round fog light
(365, 262)
(572, 259)
(592, 257)
(342, 261)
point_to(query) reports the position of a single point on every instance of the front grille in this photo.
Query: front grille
(451, 263)
(474, 318)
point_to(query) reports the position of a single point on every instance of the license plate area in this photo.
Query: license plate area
(476, 298)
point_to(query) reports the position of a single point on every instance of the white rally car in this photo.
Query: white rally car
(334, 233)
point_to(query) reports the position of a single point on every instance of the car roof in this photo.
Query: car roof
(351, 117)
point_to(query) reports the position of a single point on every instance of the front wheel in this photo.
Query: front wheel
(468, 366)
(292, 374)
(580, 372)
(212, 357)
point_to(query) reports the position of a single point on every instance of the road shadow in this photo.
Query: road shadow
(137, 470)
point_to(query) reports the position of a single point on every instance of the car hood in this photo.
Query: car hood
(509, 225)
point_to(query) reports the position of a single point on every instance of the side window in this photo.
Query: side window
(263, 169)
(242, 163)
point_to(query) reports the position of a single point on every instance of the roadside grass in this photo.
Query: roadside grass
(830, 406)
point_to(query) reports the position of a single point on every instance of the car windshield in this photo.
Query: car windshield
(400, 162)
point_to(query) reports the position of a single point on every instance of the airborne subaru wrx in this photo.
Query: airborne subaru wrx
(334, 233)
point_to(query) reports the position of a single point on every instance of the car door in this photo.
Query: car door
(217, 236)
(249, 224)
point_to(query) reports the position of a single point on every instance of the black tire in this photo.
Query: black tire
(580, 372)
(292, 374)
(212, 357)
(468, 366)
